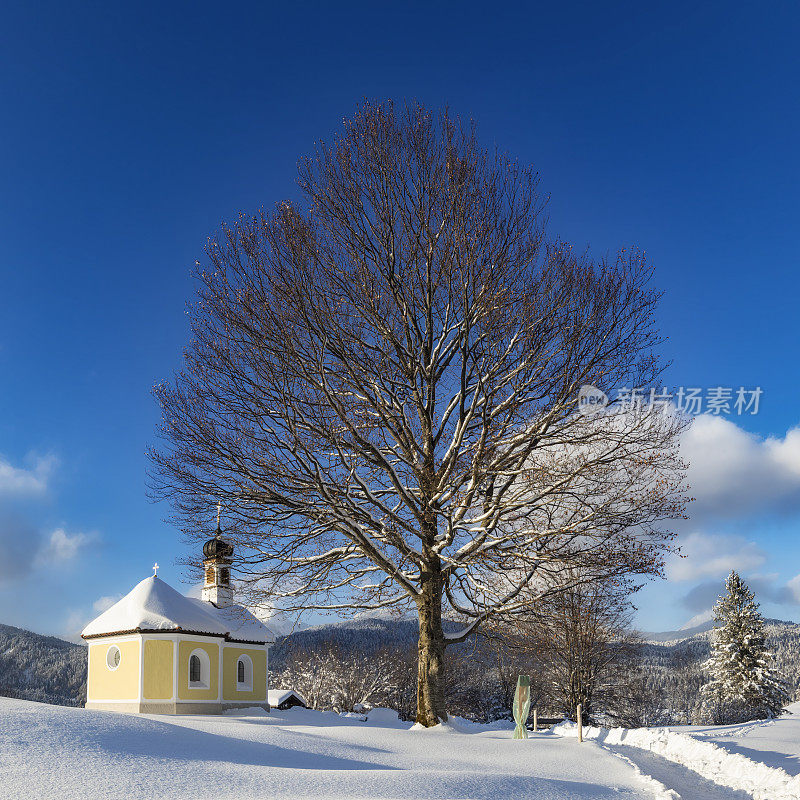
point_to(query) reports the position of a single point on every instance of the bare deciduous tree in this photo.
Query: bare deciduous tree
(382, 383)
(582, 641)
(340, 679)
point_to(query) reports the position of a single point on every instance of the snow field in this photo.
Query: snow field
(49, 752)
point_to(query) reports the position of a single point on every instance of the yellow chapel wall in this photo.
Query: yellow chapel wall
(230, 657)
(121, 683)
(158, 669)
(185, 648)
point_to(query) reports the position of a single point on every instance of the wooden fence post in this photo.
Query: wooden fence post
(580, 722)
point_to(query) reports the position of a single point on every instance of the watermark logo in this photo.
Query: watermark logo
(690, 400)
(591, 399)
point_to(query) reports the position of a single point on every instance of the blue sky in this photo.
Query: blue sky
(129, 132)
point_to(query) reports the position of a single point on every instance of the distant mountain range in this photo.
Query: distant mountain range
(776, 629)
(369, 633)
(50, 670)
(681, 633)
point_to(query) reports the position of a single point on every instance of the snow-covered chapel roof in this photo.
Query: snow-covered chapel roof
(153, 605)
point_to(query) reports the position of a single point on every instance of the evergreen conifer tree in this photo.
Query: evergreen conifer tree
(743, 683)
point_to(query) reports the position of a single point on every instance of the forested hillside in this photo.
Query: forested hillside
(673, 674)
(43, 668)
(372, 660)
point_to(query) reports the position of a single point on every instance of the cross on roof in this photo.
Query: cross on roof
(155, 569)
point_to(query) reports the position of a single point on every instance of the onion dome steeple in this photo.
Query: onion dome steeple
(218, 547)
(217, 558)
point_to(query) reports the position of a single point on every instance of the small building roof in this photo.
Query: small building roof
(153, 605)
(277, 696)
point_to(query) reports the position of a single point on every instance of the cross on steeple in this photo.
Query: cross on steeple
(219, 510)
(155, 569)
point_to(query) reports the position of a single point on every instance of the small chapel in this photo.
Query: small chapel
(157, 651)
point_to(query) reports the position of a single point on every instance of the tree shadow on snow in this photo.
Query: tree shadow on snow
(166, 741)
(364, 748)
(487, 786)
(772, 758)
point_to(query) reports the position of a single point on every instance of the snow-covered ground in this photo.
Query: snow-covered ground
(67, 753)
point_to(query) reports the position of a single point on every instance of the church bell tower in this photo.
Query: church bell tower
(217, 559)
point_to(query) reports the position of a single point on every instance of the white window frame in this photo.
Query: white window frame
(205, 669)
(111, 648)
(247, 684)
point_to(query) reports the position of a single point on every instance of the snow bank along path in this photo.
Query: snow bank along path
(709, 759)
(49, 752)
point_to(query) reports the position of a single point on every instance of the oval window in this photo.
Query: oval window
(113, 657)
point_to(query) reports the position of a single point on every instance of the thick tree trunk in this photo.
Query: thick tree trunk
(430, 652)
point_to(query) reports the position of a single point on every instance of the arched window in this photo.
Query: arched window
(199, 669)
(194, 669)
(244, 674)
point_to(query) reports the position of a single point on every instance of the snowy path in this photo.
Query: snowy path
(686, 783)
(761, 759)
(49, 752)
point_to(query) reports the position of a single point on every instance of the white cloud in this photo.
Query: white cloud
(75, 622)
(734, 476)
(743, 484)
(78, 618)
(21, 481)
(104, 603)
(734, 473)
(790, 593)
(793, 587)
(766, 587)
(62, 547)
(712, 555)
